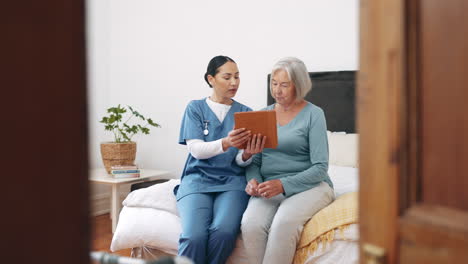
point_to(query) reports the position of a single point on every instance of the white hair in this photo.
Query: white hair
(297, 73)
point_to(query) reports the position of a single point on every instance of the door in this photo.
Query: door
(44, 185)
(412, 88)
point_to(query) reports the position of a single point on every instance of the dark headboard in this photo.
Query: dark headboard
(334, 93)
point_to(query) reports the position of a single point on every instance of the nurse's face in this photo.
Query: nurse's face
(226, 82)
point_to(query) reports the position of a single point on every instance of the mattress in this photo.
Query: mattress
(150, 253)
(343, 250)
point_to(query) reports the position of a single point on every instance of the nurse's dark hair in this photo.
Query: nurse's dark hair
(214, 65)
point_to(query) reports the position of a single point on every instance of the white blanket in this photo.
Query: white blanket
(159, 196)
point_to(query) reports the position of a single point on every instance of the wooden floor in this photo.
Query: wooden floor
(101, 235)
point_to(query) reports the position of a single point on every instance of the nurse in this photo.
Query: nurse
(211, 197)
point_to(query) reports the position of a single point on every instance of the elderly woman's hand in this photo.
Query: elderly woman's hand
(251, 188)
(236, 138)
(254, 145)
(271, 188)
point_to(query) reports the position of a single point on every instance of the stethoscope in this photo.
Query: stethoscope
(205, 131)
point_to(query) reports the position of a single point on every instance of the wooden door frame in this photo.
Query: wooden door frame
(380, 122)
(45, 133)
(388, 107)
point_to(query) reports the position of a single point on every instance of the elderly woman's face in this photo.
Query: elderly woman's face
(282, 87)
(226, 81)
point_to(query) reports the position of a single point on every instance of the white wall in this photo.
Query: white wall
(152, 55)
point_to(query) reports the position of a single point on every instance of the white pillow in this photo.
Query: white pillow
(139, 227)
(344, 179)
(159, 196)
(343, 149)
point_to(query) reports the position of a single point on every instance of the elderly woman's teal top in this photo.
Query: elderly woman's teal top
(301, 159)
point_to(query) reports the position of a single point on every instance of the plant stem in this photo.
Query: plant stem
(129, 118)
(115, 136)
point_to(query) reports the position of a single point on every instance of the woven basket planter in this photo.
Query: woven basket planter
(117, 154)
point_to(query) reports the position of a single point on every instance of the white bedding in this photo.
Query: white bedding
(159, 196)
(139, 226)
(344, 179)
(156, 229)
(149, 219)
(343, 250)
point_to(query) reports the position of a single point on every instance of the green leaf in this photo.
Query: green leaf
(152, 123)
(124, 135)
(117, 110)
(145, 130)
(104, 120)
(129, 130)
(111, 110)
(121, 109)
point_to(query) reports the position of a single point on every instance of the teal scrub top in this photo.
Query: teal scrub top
(218, 173)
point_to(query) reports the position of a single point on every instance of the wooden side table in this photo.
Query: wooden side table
(100, 176)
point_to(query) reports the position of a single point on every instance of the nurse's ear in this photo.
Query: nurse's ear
(211, 80)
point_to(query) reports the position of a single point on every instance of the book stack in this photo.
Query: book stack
(127, 171)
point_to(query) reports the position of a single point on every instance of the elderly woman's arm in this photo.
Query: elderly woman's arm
(253, 171)
(318, 171)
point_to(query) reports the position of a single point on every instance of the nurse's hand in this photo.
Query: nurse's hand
(236, 138)
(270, 188)
(254, 145)
(252, 187)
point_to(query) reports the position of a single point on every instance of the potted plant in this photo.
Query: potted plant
(122, 150)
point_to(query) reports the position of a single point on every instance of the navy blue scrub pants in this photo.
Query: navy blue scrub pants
(210, 225)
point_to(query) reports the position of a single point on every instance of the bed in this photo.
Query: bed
(150, 225)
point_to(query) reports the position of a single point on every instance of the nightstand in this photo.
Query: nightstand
(100, 176)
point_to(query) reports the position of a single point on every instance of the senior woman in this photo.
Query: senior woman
(289, 184)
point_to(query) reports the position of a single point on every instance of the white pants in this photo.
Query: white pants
(271, 228)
